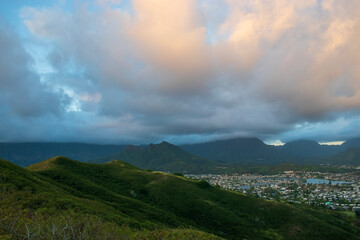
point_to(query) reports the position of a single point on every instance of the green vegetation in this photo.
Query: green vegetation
(74, 200)
(33, 207)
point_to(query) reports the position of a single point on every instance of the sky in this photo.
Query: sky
(184, 71)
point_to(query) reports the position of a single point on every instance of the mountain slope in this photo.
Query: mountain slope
(354, 142)
(238, 150)
(350, 156)
(165, 200)
(305, 149)
(25, 154)
(162, 157)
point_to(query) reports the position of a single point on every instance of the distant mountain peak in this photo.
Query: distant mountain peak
(307, 149)
(161, 156)
(163, 143)
(241, 149)
(163, 146)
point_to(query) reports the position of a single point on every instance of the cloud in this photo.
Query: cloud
(26, 103)
(22, 93)
(186, 68)
(172, 41)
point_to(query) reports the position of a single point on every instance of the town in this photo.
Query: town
(340, 191)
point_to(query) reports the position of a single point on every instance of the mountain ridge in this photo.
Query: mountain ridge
(163, 156)
(240, 150)
(307, 149)
(245, 151)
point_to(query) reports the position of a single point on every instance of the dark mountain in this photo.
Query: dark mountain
(163, 157)
(73, 200)
(25, 154)
(238, 150)
(350, 156)
(254, 151)
(305, 149)
(355, 142)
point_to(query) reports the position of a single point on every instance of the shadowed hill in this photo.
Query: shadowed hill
(254, 151)
(306, 149)
(238, 150)
(350, 156)
(162, 157)
(354, 142)
(244, 151)
(146, 200)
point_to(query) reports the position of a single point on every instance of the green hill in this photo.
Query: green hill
(162, 157)
(34, 206)
(118, 201)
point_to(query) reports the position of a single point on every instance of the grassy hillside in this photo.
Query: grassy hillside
(34, 207)
(127, 201)
(162, 157)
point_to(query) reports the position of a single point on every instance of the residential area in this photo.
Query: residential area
(340, 191)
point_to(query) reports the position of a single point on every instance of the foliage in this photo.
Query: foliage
(40, 225)
(127, 201)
